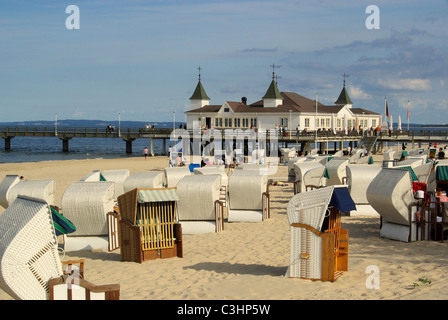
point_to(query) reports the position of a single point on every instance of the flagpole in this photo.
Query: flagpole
(385, 111)
(409, 113)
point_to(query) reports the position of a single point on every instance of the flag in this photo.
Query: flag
(387, 109)
(409, 110)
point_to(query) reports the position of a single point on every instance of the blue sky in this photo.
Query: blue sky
(139, 59)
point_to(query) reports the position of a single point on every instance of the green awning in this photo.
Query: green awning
(326, 174)
(157, 195)
(442, 173)
(61, 224)
(413, 175)
(102, 177)
(371, 161)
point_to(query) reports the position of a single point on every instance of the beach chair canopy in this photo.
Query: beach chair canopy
(174, 174)
(359, 177)
(116, 176)
(38, 189)
(148, 180)
(5, 186)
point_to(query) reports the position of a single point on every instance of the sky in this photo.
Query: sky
(138, 60)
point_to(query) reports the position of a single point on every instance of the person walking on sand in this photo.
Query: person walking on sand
(145, 152)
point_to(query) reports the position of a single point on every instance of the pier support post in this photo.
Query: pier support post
(151, 146)
(129, 144)
(164, 147)
(65, 144)
(8, 143)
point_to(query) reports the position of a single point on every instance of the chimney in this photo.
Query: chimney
(244, 100)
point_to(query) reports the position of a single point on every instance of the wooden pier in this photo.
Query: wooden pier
(374, 142)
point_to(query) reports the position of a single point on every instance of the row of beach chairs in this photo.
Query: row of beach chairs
(143, 214)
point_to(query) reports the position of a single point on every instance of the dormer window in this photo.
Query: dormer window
(226, 109)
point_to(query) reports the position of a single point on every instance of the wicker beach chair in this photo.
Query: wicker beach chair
(28, 249)
(319, 246)
(148, 226)
(29, 259)
(147, 180)
(391, 194)
(213, 170)
(5, 186)
(174, 174)
(315, 178)
(87, 205)
(199, 208)
(248, 196)
(300, 169)
(337, 171)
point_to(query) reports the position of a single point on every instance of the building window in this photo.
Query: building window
(374, 123)
(226, 109)
(322, 122)
(237, 123)
(253, 122)
(338, 121)
(327, 122)
(218, 122)
(284, 122)
(245, 122)
(228, 122)
(307, 122)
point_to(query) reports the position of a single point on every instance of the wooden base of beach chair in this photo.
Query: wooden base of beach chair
(132, 248)
(68, 288)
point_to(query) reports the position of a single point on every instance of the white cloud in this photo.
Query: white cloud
(406, 84)
(358, 93)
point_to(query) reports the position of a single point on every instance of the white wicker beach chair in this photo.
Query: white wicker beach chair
(315, 178)
(87, 204)
(388, 158)
(306, 212)
(150, 180)
(118, 177)
(38, 189)
(5, 186)
(197, 208)
(30, 267)
(300, 169)
(248, 197)
(391, 194)
(174, 174)
(337, 171)
(28, 249)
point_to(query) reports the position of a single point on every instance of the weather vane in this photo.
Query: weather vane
(199, 68)
(273, 70)
(345, 76)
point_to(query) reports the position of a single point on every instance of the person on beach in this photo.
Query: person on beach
(441, 154)
(145, 152)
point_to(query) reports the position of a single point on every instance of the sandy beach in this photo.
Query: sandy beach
(248, 261)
